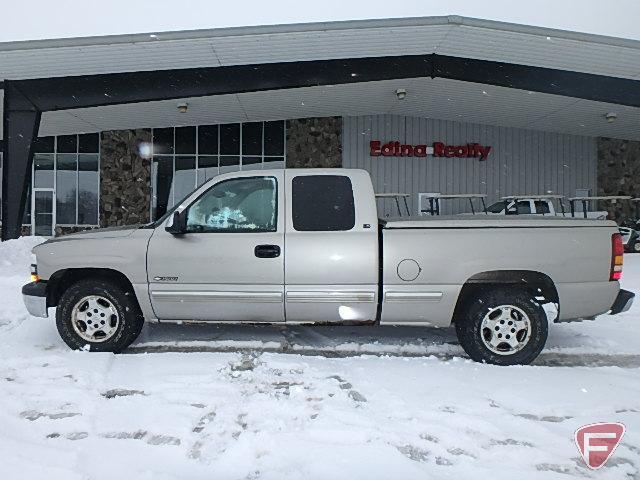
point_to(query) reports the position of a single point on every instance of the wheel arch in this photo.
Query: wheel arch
(63, 279)
(538, 283)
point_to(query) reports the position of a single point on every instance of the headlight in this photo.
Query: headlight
(34, 272)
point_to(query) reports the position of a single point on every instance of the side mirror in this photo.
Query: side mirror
(178, 225)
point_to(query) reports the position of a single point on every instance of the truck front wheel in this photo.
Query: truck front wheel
(98, 315)
(502, 326)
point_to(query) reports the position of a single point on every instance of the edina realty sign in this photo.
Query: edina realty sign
(437, 149)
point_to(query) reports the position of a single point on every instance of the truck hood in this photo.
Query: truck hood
(110, 232)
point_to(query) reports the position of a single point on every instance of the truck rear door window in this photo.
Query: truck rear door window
(322, 203)
(542, 207)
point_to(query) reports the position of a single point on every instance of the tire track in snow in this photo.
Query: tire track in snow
(546, 359)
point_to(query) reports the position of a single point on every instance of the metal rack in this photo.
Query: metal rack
(434, 201)
(397, 197)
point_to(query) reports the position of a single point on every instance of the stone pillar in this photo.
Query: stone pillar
(125, 178)
(314, 142)
(619, 174)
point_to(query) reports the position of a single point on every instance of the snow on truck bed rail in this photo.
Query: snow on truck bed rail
(493, 221)
(261, 402)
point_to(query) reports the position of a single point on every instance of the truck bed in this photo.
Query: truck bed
(492, 221)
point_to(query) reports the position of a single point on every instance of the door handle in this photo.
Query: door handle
(267, 251)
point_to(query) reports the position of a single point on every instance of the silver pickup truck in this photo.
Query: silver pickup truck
(306, 246)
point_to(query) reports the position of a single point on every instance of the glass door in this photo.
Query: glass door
(43, 212)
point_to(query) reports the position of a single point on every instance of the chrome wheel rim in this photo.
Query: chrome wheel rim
(95, 319)
(505, 330)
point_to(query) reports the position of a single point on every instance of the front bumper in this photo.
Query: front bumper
(623, 302)
(34, 295)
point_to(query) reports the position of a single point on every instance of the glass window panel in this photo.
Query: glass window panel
(273, 162)
(207, 168)
(89, 143)
(208, 139)
(43, 170)
(229, 164)
(230, 139)
(274, 138)
(186, 140)
(162, 141)
(67, 144)
(66, 185)
(43, 209)
(44, 145)
(88, 189)
(88, 162)
(162, 178)
(184, 180)
(252, 138)
(251, 163)
(238, 205)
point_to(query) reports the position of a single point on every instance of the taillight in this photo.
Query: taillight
(617, 249)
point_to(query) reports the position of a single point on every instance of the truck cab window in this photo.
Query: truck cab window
(524, 207)
(322, 203)
(542, 207)
(497, 207)
(238, 205)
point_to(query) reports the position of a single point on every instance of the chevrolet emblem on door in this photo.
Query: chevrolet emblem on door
(165, 279)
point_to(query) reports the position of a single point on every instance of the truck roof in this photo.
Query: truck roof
(532, 197)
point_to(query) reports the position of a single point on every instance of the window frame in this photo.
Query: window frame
(236, 230)
(55, 180)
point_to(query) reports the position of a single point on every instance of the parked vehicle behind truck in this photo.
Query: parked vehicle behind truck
(305, 246)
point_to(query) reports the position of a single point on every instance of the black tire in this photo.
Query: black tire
(479, 304)
(130, 317)
(636, 247)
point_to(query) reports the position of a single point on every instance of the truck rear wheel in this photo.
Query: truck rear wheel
(503, 326)
(98, 315)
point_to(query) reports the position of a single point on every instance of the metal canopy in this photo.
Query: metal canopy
(445, 35)
(437, 98)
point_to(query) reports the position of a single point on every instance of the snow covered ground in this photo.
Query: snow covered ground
(233, 402)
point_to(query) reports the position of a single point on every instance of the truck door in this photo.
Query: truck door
(331, 266)
(229, 265)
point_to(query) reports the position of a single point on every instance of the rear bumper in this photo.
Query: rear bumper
(34, 295)
(623, 302)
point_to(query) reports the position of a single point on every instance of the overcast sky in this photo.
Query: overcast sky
(37, 19)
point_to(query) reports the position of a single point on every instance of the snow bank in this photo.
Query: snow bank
(15, 261)
(15, 256)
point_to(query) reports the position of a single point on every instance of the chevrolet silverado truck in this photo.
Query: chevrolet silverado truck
(306, 247)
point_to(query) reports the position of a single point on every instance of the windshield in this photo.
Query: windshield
(496, 207)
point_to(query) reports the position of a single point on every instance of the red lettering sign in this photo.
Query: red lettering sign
(438, 149)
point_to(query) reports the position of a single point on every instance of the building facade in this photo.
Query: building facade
(125, 177)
